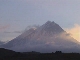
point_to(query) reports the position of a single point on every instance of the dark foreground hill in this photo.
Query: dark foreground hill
(58, 55)
(6, 52)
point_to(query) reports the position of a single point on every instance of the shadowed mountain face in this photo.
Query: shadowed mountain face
(2, 42)
(46, 38)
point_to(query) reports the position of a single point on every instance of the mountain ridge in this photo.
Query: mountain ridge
(50, 37)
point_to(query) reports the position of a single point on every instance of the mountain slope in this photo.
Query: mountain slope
(47, 38)
(2, 42)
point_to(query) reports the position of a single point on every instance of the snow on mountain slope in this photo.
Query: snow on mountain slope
(47, 38)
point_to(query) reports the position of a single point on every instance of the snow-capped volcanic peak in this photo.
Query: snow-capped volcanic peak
(46, 38)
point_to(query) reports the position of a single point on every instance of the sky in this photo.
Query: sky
(16, 15)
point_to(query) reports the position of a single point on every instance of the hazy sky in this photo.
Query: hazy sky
(16, 15)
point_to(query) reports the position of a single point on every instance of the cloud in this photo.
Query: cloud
(17, 32)
(4, 27)
(13, 32)
(74, 32)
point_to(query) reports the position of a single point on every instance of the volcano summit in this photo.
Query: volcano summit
(47, 38)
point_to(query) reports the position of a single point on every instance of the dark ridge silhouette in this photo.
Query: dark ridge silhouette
(6, 54)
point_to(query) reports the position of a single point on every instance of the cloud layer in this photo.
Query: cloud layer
(74, 31)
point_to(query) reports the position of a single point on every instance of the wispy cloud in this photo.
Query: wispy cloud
(4, 27)
(13, 32)
(74, 31)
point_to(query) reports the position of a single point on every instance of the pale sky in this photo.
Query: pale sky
(16, 15)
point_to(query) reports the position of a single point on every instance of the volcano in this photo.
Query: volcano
(49, 37)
